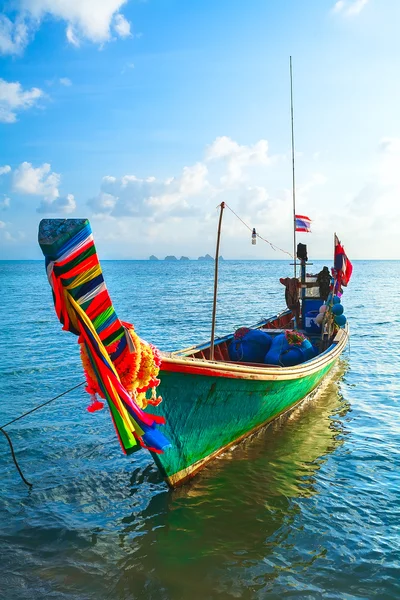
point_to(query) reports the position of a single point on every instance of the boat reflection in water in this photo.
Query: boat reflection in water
(237, 513)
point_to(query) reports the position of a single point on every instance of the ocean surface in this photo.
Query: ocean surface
(310, 508)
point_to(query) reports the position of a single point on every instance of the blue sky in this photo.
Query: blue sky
(145, 115)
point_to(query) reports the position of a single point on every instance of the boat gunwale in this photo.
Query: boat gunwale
(206, 367)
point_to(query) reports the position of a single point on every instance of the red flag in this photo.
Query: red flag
(343, 266)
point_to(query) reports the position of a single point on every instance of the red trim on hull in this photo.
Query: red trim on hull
(193, 370)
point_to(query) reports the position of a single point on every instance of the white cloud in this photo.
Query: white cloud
(4, 170)
(60, 205)
(5, 203)
(349, 8)
(2, 225)
(193, 179)
(150, 198)
(65, 81)
(14, 99)
(122, 27)
(237, 157)
(89, 20)
(40, 181)
(226, 166)
(104, 203)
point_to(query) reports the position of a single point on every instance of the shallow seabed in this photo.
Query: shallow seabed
(309, 508)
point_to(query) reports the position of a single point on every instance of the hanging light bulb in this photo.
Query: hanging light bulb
(254, 237)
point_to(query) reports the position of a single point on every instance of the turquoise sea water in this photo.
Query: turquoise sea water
(310, 508)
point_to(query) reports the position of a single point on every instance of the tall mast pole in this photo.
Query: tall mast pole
(214, 312)
(293, 177)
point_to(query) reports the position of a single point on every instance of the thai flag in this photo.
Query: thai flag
(303, 223)
(343, 266)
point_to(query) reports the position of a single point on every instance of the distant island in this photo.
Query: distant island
(206, 257)
(171, 257)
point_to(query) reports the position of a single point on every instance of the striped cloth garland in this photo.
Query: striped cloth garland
(84, 308)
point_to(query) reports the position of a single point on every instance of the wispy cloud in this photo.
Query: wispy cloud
(121, 26)
(14, 99)
(14, 35)
(5, 203)
(65, 81)
(128, 65)
(349, 8)
(5, 169)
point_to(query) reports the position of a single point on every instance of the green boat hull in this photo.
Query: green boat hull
(205, 415)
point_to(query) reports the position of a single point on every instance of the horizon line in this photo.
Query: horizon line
(178, 260)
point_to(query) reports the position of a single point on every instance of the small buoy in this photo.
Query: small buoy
(322, 309)
(319, 318)
(340, 320)
(336, 300)
(337, 309)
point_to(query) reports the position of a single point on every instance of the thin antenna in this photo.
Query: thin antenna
(293, 177)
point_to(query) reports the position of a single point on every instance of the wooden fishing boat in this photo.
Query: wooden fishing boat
(209, 402)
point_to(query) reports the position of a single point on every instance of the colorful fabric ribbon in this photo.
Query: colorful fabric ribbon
(84, 307)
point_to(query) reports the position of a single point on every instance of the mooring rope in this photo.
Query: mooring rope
(29, 412)
(273, 246)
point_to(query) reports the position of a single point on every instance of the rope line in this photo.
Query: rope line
(29, 412)
(44, 404)
(15, 459)
(273, 246)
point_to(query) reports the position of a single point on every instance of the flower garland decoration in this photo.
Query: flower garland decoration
(294, 338)
(137, 367)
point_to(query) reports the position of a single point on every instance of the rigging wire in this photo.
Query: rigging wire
(273, 246)
(29, 412)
